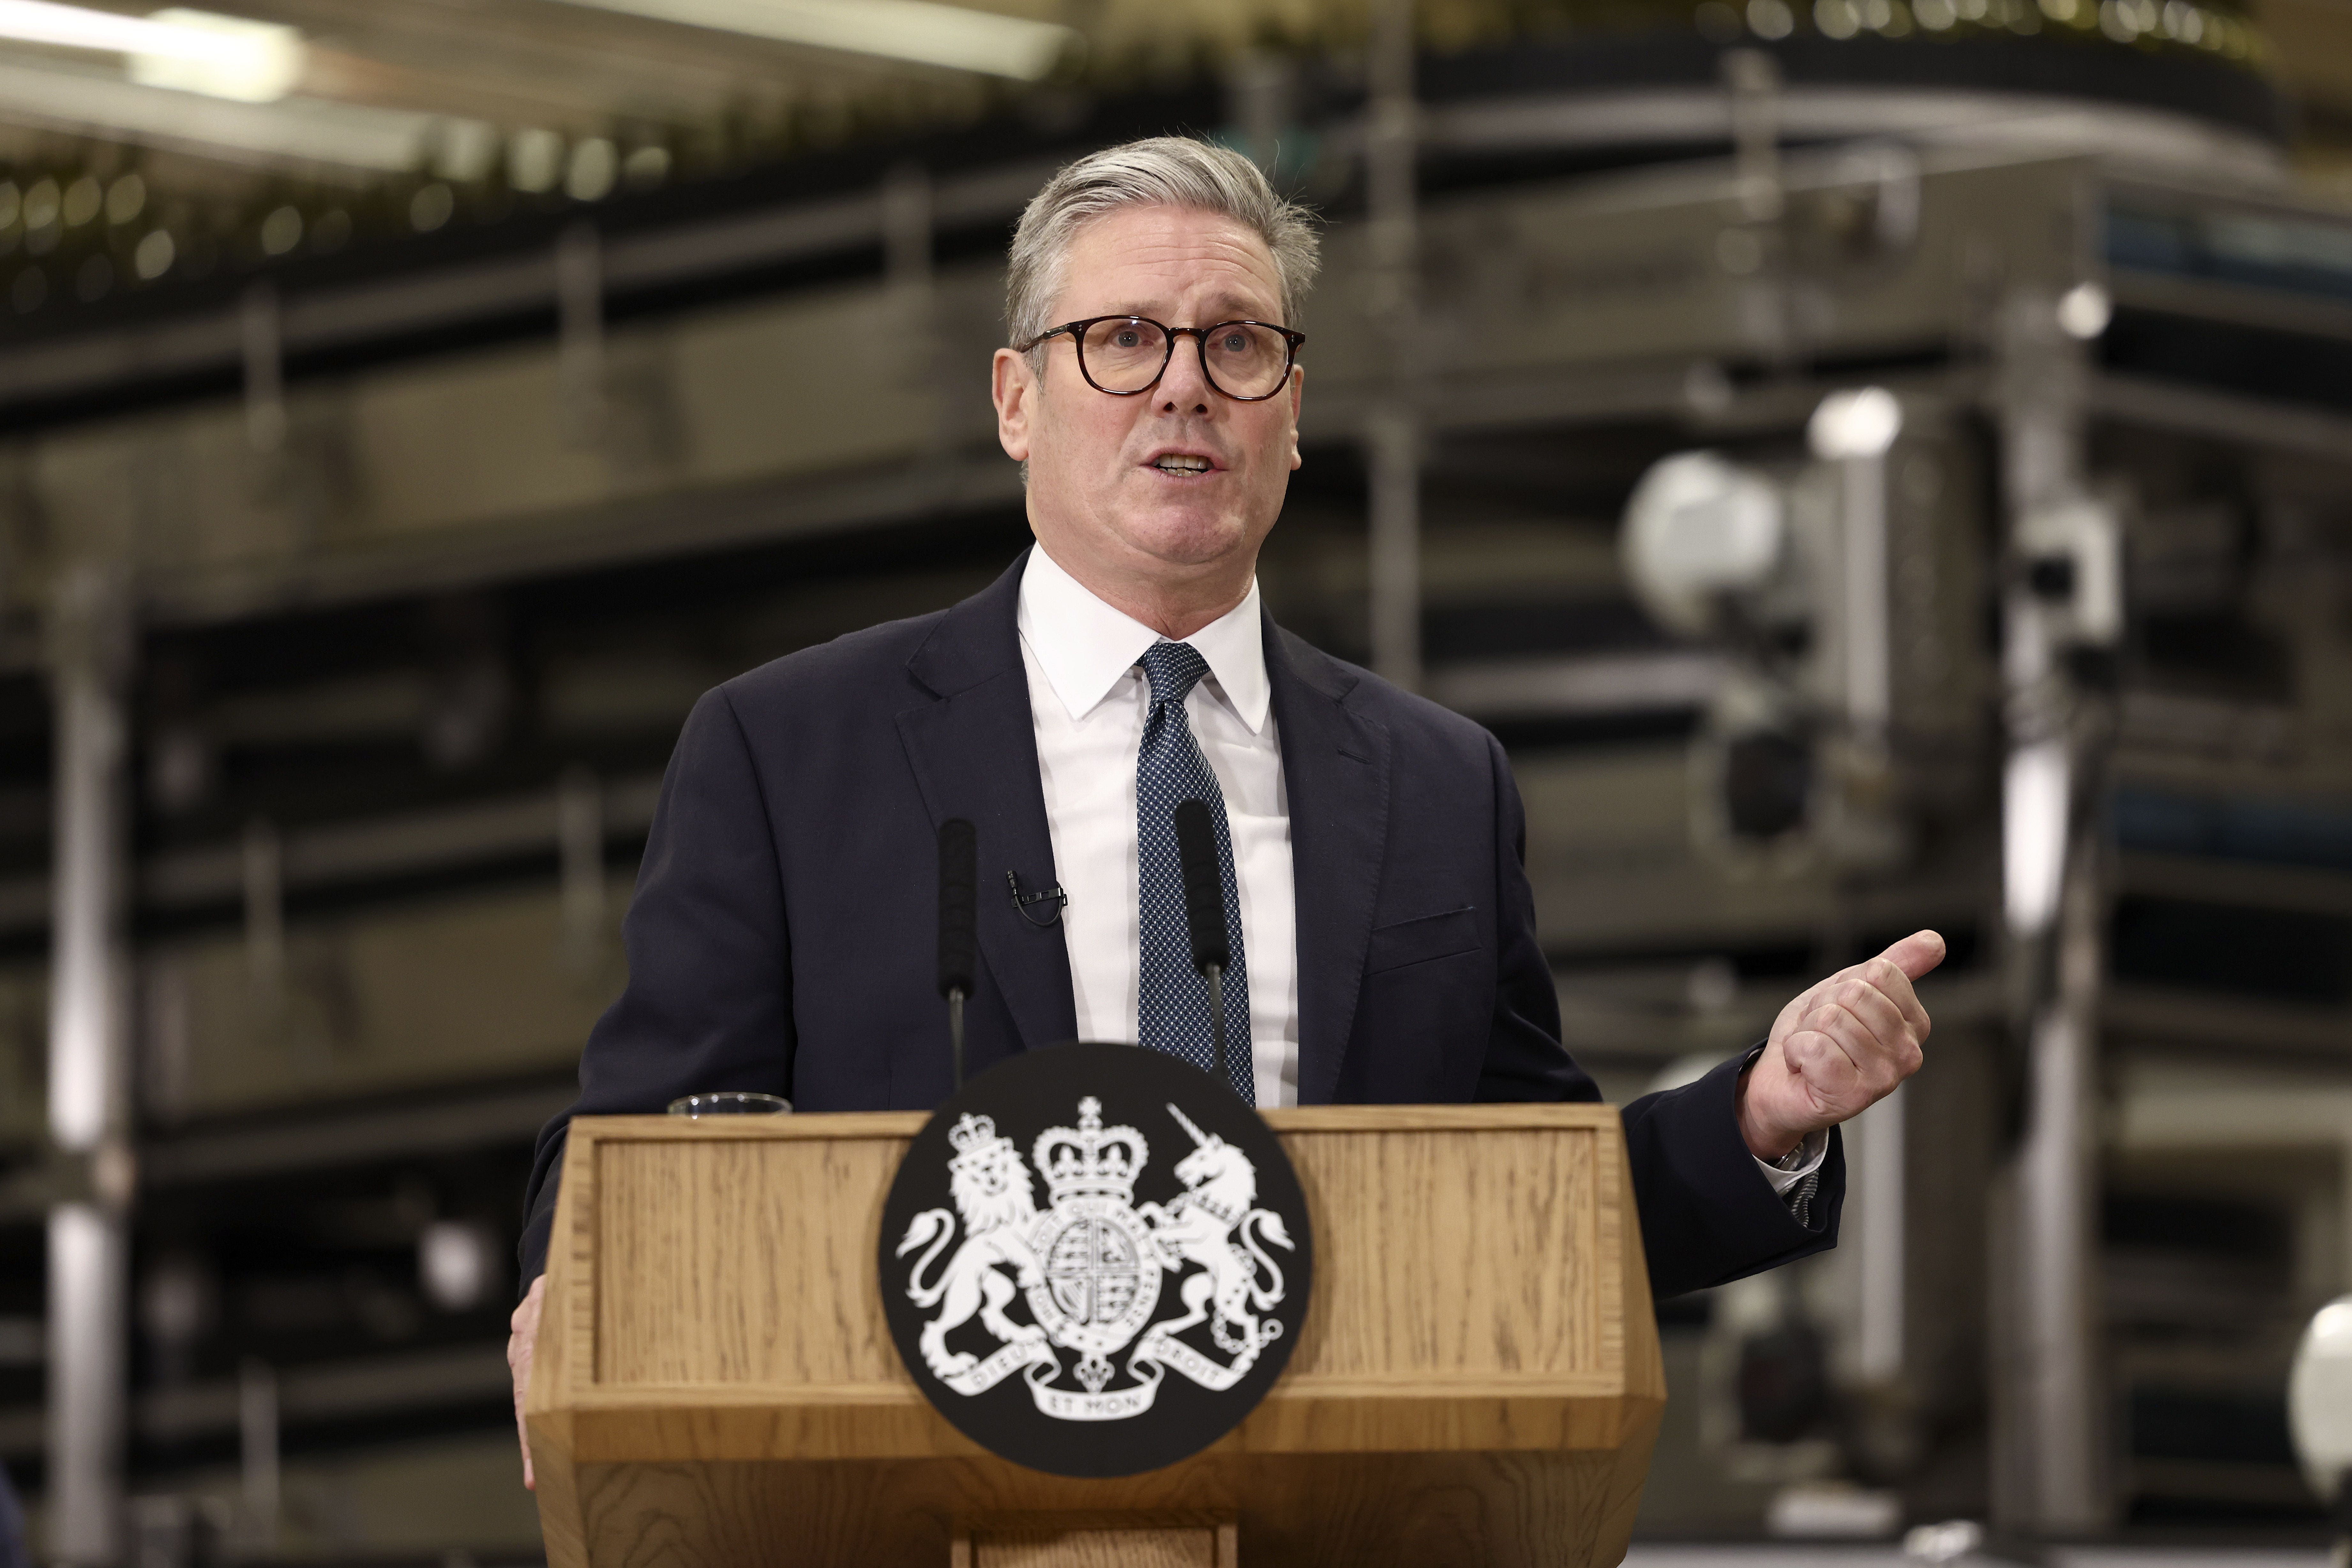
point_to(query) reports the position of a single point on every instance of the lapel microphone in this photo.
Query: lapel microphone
(1204, 915)
(959, 905)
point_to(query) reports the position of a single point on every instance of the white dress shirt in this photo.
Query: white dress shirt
(1088, 700)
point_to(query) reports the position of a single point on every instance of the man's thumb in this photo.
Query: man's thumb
(1916, 954)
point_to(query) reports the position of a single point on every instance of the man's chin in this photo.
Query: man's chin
(1185, 539)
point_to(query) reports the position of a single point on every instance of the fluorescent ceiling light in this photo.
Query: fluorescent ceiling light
(227, 56)
(313, 133)
(916, 30)
(263, 64)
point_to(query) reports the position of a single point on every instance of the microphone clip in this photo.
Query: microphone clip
(1022, 901)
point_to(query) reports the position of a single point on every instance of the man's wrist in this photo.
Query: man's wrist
(1769, 1144)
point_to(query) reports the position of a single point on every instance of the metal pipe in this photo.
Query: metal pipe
(1261, 89)
(87, 887)
(909, 203)
(88, 1265)
(1394, 448)
(1754, 249)
(2049, 1460)
(89, 1273)
(1752, 76)
(1856, 430)
(1876, 1138)
(2057, 1397)
(258, 1454)
(1869, 653)
(1392, 435)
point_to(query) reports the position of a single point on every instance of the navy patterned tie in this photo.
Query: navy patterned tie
(1173, 1014)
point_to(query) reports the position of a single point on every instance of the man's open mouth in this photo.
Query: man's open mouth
(1182, 463)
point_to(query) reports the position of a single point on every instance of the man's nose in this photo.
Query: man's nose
(1183, 387)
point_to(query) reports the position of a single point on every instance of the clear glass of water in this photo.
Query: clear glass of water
(731, 1102)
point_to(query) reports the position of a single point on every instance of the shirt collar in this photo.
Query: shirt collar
(1085, 647)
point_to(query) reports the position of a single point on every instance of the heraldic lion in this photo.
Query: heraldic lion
(993, 1196)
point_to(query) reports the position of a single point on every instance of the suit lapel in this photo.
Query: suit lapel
(974, 752)
(1335, 766)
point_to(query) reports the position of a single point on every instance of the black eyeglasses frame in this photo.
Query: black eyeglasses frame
(1199, 336)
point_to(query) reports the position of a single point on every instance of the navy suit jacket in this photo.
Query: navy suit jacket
(783, 934)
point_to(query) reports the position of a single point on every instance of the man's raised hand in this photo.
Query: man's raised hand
(1839, 1048)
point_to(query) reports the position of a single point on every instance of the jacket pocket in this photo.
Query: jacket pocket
(1419, 940)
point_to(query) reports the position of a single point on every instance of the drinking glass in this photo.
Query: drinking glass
(731, 1102)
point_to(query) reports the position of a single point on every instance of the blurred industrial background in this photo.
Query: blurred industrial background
(1875, 463)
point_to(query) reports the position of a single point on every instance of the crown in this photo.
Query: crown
(1091, 1160)
(977, 1143)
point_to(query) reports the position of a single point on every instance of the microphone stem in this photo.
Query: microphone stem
(955, 1033)
(1216, 976)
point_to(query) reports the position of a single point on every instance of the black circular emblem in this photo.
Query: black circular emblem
(1095, 1259)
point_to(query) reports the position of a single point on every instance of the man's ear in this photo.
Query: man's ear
(1297, 396)
(1012, 386)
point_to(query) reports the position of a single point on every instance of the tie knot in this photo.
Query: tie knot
(1173, 669)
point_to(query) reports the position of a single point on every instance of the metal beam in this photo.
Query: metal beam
(273, 1146)
(2207, 1022)
(2005, 125)
(663, 526)
(2266, 426)
(321, 1140)
(331, 1391)
(418, 302)
(402, 845)
(1578, 685)
(2244, 884)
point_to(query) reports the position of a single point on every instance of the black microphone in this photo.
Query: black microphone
(1204, 915)
(958, 904)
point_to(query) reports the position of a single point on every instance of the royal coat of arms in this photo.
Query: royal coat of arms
(1093, 1267)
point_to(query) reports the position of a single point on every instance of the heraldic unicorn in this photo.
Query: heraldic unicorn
(1092, 1266)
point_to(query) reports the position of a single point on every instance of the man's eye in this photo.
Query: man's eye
(1234, 342)
(1128, 338)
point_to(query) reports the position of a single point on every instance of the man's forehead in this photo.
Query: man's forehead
(1139, 259)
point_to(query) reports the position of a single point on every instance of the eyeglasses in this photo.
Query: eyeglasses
(1127, 355)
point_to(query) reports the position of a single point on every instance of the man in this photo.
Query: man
(1370, 843)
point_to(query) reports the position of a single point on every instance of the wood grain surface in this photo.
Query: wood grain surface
(1095, 1540)
(1498, 1223)
(759, 1259)
(1097, 1549)
(1477, 1381)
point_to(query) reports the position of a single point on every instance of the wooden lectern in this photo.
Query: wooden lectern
(1478, 1381)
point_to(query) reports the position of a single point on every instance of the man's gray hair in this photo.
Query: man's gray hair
(1160, 171)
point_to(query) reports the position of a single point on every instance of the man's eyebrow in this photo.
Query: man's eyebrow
(1235, 308)
(1228, 308)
